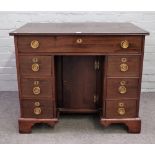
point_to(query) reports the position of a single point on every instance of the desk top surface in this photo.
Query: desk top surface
(93, 28)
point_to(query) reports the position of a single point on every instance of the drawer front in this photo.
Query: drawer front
(80, 44)
(121, 108)
(122, 88)
(98, 44)
(36, 44)
(36, 87)
(36, 108)
(36, 65)
(123, 66)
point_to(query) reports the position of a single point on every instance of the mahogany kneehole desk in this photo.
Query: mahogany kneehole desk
(79, 68)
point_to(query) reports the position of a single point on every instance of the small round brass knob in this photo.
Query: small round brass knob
(124, 44)
(124, 67)
(122, 89)
(36, 90)
(37, 104)
(35, 67)
(122, 83)
(121, 111)
(34, 59)
(36, 83)
(34, 44)
(121, 104)
(124, 59)
(37, 110)
(79, 41)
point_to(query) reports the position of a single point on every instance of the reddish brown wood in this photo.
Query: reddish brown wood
(114, 62)
(78, 111)
(85, 28)
(79, 82)
(130, 107)
(45, 85)
(28, 106)
(113, 84)
(26, 124)
(44, 63)
(140, 74)
(133, 124)
(91, 44)
(67, 78)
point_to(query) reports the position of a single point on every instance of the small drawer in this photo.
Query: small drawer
(37, 87)
(122, 88)
(36, 44)
(123, 66)
(36, 65)
(121, 108)
(37, 108)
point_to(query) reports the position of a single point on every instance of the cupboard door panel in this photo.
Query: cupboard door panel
(79, 82)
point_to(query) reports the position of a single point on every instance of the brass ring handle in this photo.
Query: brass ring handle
(122, 89)
(36, 90)
(79, 41)
(124, 44)
(121, 111)
(124, 67)
(37, 110)
(35, 67)
(34, 44)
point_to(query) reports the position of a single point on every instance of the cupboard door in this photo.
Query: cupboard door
(79, 82)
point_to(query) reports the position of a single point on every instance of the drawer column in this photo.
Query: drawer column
(122, 78)
(37, 91)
